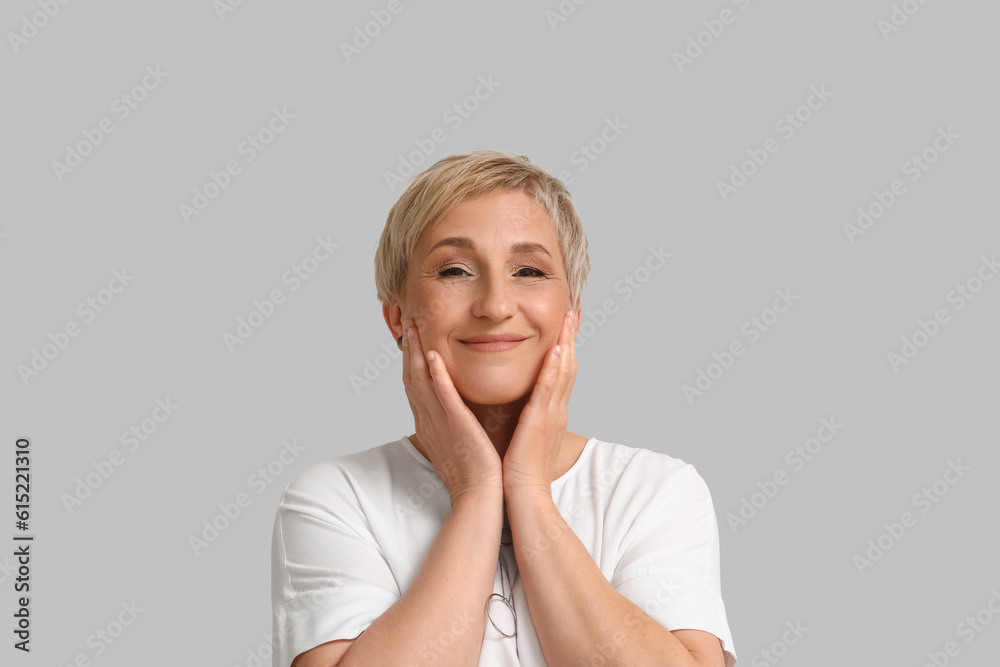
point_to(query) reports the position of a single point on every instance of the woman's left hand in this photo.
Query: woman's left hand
(533, 453)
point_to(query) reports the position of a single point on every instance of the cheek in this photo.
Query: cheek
(438, 309)
(555, 330)
(434, 340)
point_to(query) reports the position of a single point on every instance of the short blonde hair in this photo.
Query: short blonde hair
(442, 186)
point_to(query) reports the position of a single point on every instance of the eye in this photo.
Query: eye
(445, 272)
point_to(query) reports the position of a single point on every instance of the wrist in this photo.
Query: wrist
(527, 492)
(483, 496)
(516, 481)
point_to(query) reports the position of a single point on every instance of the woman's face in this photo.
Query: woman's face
(492, 265)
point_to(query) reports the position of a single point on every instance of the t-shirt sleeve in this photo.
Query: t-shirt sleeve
(329, 577)
(669, 554)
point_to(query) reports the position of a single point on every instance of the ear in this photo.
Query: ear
(393, 315)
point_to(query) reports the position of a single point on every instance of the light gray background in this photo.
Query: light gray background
(655, 185)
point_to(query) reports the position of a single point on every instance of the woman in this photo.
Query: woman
(493, 535)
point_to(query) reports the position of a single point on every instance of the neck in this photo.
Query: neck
(499, 421)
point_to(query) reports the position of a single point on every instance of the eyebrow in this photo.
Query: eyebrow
(521, 248)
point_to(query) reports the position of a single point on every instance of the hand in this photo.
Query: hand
(453, 439)
(533, 452)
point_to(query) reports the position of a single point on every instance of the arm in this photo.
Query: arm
(441, 618)
(580, 618)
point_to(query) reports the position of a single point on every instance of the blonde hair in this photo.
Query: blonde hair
(442, 186)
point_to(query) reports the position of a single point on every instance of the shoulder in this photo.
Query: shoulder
(343, 476)
(646, 472)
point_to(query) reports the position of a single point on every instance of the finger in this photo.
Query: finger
(444, 389)
(567, 366)
(574, 332)
(412, 395)
(441, 397)
(419, 375)
(551, 388)
(406, 357)
(555, 362)
(548, 377)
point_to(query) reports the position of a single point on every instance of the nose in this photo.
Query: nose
(494, 297)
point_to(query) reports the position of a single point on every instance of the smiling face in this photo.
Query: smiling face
(492, 265)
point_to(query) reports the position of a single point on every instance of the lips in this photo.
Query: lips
(493, 346)
(494, 338)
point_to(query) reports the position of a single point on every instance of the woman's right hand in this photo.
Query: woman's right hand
(452, 438)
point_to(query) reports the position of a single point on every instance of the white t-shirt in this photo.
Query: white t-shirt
(351, 533)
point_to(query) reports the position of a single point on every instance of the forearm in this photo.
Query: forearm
(579, 617)
(441, 618)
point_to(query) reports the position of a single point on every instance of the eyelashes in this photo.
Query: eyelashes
(443, 273)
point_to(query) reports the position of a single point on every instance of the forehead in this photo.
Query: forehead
(498, 219)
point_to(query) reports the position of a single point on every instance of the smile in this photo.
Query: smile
(495, 346)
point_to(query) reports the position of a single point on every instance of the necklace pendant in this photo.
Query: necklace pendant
(510, 606)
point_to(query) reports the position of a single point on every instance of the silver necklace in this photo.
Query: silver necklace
(509, 601)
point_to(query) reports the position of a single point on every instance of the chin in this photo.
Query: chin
(486, 392)
(491, 398)
(494, 384)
